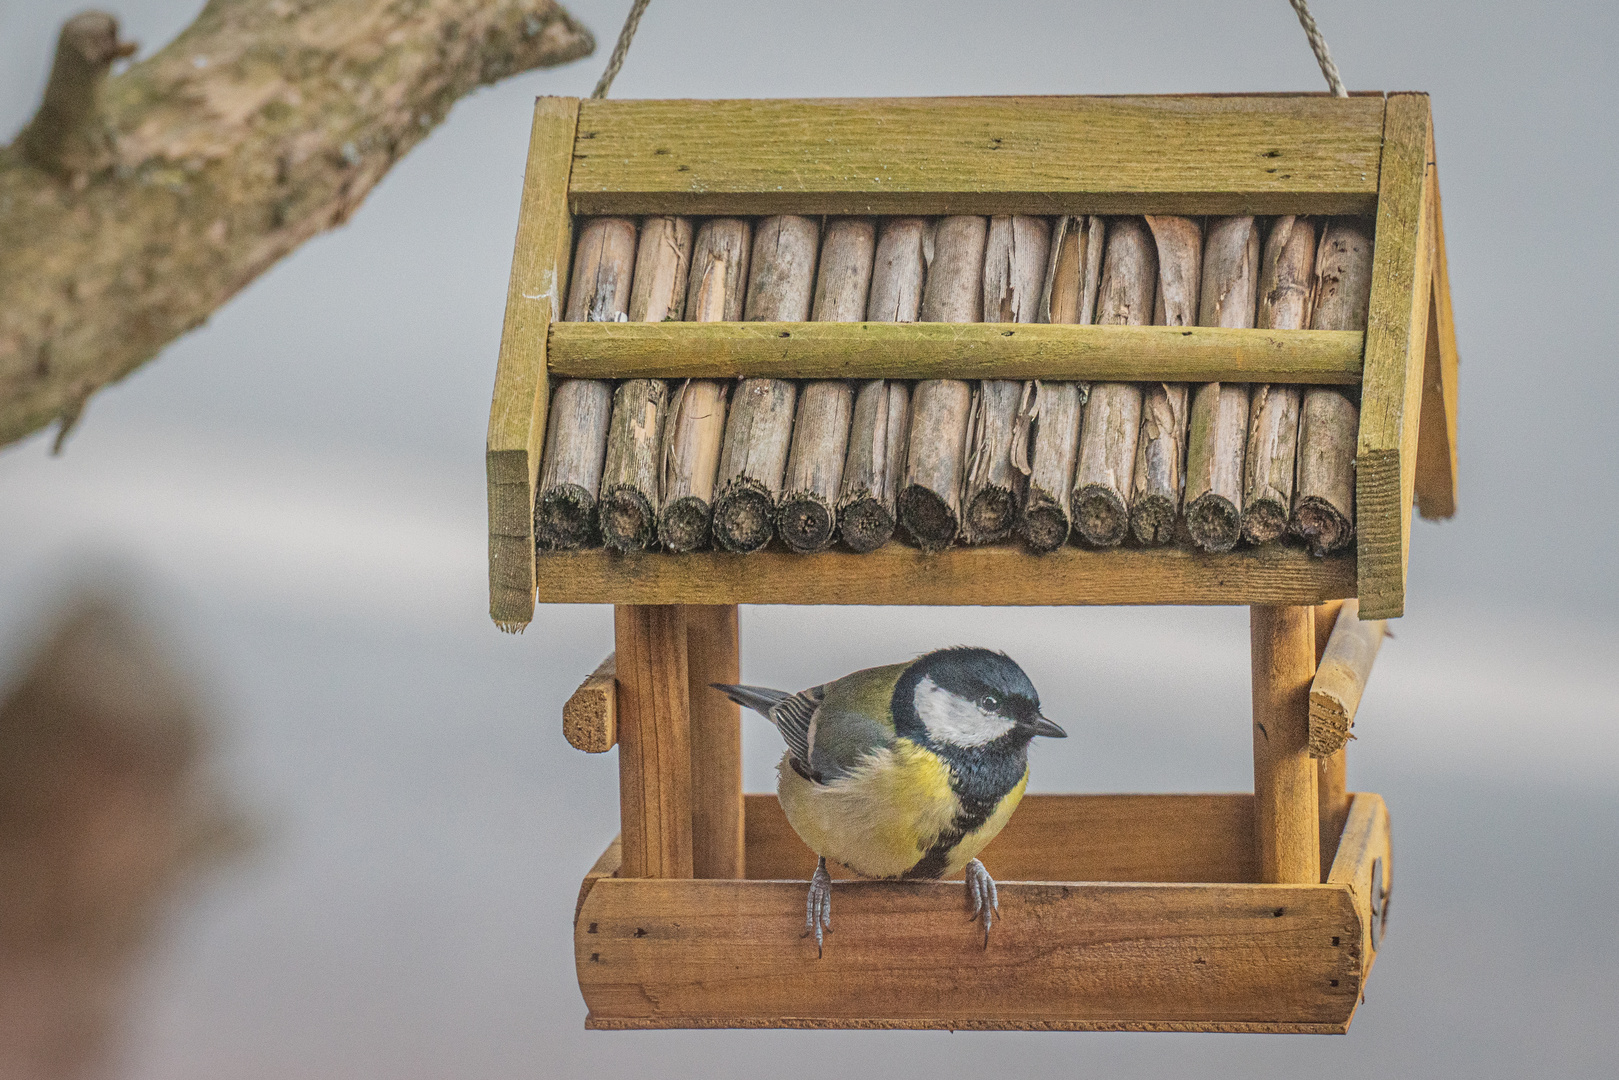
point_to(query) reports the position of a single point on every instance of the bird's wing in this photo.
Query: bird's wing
(853, 719)
(794, 717)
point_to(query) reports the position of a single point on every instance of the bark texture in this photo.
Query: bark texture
(1155, 496)
(133, 207)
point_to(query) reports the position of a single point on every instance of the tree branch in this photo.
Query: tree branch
(133, 207)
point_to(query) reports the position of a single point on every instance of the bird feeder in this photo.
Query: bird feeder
(1250, 912)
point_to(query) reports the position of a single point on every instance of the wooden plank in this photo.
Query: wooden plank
(590, 715)
(1436, 439)
(517, 415)
(1396, 339)
(1341, 680)
(712, 655)
(870, 350)
(1286, 800)
(896, 574)
(1298, 154)
(1156, 838)
(1061, 956)
(1365, 865)
(654, 741)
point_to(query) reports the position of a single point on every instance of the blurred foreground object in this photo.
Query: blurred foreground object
(133, 207)
(104, 809)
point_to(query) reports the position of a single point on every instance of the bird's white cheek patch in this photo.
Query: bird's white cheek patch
(950, 719)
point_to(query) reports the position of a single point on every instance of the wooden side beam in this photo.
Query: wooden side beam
(1436, 441)
(1396, 344)
(590, 715)
(720, 350)
(1336, 690)
(1331, 772)
(1286, 801)
(713, 655)
(654, 741)
(522, 390)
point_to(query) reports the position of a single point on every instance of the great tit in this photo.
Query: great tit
(905, 771)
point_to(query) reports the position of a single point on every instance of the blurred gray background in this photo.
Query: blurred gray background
(298, 486)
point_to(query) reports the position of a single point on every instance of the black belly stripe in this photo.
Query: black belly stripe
(969, 819)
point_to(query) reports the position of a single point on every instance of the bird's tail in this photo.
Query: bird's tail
(760, 699)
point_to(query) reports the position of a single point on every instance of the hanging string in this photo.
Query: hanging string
(1318, 45)
(625, 36)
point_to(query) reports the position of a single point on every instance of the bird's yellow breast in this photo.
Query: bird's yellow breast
(883, 816)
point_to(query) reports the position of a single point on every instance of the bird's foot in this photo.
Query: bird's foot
(818, 908)
(982, 895)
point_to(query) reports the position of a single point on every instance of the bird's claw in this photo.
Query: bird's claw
(818, 907)
(982, 894)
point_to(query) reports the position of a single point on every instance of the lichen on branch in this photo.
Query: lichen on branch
(134, 206)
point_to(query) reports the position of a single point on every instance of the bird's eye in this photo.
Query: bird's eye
(989, 703)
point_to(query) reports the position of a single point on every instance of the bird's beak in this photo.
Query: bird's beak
(1042, 726)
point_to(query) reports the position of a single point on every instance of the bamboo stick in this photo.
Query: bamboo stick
(1001, 412)
(654, 741)
(695, 429)
(712, 656)
(1285, 284)
(868, 502)
(930, 498)
(1073, 279)
(627, 511)
(759, 431)
(1107, 442)
(1217, 443)
(1285, 798)
(1160, 469)
(576, 439)
(807, 517)
(1329, 423)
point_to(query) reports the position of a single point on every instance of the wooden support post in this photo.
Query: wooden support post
(712, 656)
(654, 741)
(1331, 777)
(1285, 796)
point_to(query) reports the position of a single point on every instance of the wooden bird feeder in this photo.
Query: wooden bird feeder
(1254, 912)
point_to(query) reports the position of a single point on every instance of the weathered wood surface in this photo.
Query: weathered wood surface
(1107, 442)
(1217, 441)
(1035, 155)
(1324, 493)
(1286, 283)
(868, 503)
(695, 431)
(590, 715)
(899, 270)
(807, 516)
(1063, 956)
(1365, 863)
(871, 350)
(1340, 680)
(1396, 344)
(896, 574)
(713, 656)
(654, 741)
(522, 387)
(935, 457)
(662, 270)
(1436, 438)
(576, 444)
(1331, 772)
(1160, 468)
(1286, 801)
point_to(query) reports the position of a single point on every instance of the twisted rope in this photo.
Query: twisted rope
(1318, 45)
(625, 36)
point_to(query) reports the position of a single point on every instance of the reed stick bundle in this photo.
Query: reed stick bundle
(695, 429)
(1286, 281)
(1112, 423)
(1073, 279)
(576, 436)
(1329, 423)
(807, 517)
(628, 508)
(1218, 440)
(930, 498)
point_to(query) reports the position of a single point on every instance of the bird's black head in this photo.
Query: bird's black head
(968, 698)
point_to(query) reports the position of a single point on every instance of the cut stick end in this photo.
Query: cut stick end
(991, 515)
(1329, 727)
(929, 520)
(1214, 522)
(1045, 525)
(1100, 515)
(743, 516)
(564, 518)
(1264, 520)
(1321, 525)
(1152, 520)
(684, 524)
(627, 520)
(865, 524)
(806, 522)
